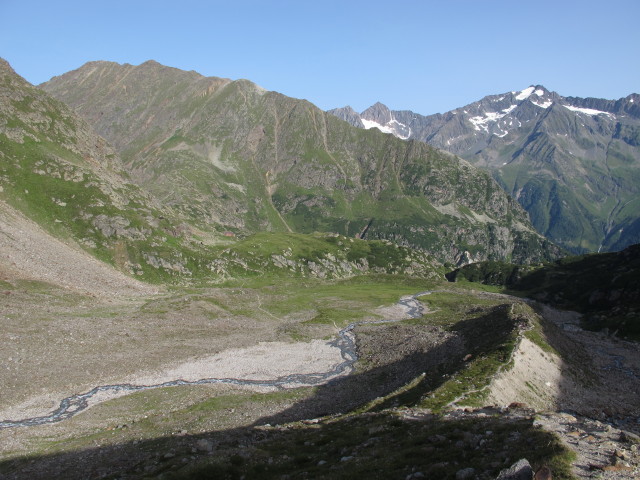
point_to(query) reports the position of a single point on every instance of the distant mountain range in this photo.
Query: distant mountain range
(228, 156)
(572, 163)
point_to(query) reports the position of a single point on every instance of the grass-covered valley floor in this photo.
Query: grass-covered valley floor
(75, 342)
(397, 414)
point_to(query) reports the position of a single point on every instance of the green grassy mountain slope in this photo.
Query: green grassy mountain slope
(59, 173)
(230, 156)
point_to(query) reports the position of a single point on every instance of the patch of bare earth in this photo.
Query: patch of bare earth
(29, 252)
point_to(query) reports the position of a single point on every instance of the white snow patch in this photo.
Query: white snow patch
(546, 104)
(631, 100)
(588, 111)
(371, 124)
(539, 92)
(401, 125)
(526, 93)
(387, 128)
(480, 123)
(493, 116)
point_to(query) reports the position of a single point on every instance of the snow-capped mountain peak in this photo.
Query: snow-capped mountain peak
(505, 116)
(548, 151)
(379, 116)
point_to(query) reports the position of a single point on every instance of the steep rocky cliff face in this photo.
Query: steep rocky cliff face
(572, 163)
(230, 156)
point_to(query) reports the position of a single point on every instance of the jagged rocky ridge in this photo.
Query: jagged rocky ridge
(230, 156)
(572, 163)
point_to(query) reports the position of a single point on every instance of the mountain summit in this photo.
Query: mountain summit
(376, 116)
(572, 163)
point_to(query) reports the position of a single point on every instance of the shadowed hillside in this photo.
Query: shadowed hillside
(605, 286)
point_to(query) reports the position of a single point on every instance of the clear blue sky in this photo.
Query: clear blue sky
(426, 56)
